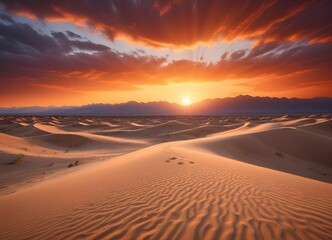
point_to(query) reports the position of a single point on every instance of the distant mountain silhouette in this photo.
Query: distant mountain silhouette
(220, 106)
(263, 105)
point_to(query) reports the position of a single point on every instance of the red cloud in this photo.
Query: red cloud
(182, 23)
(65, 64)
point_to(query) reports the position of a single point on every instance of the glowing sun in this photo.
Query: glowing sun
(186, 101)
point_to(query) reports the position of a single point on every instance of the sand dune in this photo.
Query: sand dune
(28, 130)
(243, 178)
(321, 128)
(286, 149)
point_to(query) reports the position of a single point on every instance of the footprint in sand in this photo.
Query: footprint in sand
(180, 161)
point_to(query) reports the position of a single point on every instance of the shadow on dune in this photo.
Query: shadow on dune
(300, 151)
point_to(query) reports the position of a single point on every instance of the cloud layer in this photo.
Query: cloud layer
(292, 45)
(185, 22)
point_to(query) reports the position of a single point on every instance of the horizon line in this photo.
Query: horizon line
(160, 101)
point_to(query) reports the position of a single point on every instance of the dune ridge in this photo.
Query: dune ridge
(211, 187)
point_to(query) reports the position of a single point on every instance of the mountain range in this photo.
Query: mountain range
(221, 106)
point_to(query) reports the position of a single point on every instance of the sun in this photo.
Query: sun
(186, 101)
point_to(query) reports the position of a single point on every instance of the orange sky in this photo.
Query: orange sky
(88, 52)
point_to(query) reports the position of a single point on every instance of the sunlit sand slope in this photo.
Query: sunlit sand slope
(169, 192)
(254, 179)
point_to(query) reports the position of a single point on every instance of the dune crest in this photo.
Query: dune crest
(212, 187)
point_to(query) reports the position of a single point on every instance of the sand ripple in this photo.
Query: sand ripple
(219, 185)
(206, 200)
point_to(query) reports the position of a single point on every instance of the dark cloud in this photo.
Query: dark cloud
(55, 59)
(6, 18)
(35, 62)
(20, 37)
(26, 38)
(186, 22)
(313, 23)
(73, 35)
(28, 56)
(286, 66)
(70, 45)
(237, 55)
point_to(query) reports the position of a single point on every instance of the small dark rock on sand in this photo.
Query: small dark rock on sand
(75, 164)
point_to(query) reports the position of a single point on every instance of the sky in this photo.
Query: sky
(65, 53)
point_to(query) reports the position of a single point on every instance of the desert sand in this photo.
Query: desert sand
(235, 177)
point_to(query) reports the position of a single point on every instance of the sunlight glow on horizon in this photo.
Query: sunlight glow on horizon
(186, 101)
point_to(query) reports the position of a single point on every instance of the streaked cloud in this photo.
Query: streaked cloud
(181, 23)
(262, 46)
